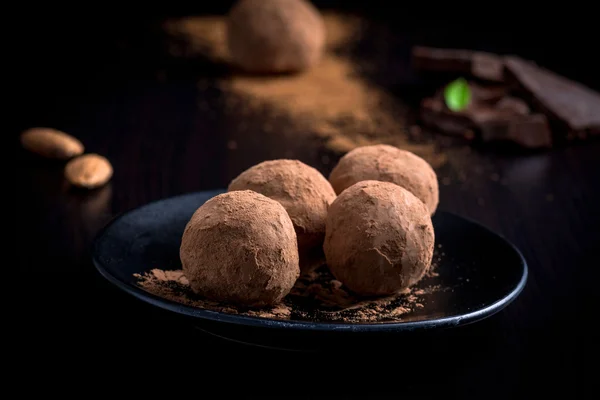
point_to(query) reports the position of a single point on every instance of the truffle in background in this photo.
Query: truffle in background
(275, 36)
(240, 247)
(379, 238)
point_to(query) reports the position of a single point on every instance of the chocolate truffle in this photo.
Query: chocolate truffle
(240, 247)
(303, 192)
(387, 164)
(275, 36)
(379, 238)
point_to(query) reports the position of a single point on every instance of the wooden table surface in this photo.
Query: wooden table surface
(108, 94)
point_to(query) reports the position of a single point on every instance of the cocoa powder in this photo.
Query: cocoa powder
(331, 100)
(174, 286)
(316, 296)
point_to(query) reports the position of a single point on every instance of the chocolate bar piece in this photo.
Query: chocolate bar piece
(531, 131)
(505, 120)
(487, 94)
(513, 104)
(435, 115)
(478, 64)
(572, 104)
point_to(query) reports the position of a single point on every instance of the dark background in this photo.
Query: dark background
(105, 76)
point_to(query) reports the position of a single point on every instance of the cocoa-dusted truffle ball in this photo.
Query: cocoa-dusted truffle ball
(387, 164)
(303, 192)
(240, 247)
(275, 36)
(379, 238)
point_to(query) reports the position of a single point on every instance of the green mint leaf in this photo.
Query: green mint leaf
(457, 95)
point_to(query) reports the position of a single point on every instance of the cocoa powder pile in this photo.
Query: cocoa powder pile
(316, 296)
(173, 285)
(331, 100)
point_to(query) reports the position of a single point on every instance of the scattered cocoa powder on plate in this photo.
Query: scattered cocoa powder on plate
(173, 285)
(316, 296)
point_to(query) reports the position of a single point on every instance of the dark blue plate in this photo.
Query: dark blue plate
(481, 273)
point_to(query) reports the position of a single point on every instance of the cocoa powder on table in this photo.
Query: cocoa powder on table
(316, 296)
(331, 101)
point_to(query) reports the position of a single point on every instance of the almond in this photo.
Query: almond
(51, 143)
(88, 171)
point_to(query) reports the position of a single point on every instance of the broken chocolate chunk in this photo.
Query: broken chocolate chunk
(514, 105)
(507, 119)
(571, 104)
(436, 115)
(531, 131)
(488, 94)
(478, 64)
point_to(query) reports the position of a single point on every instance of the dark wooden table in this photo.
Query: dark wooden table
(107, 93)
